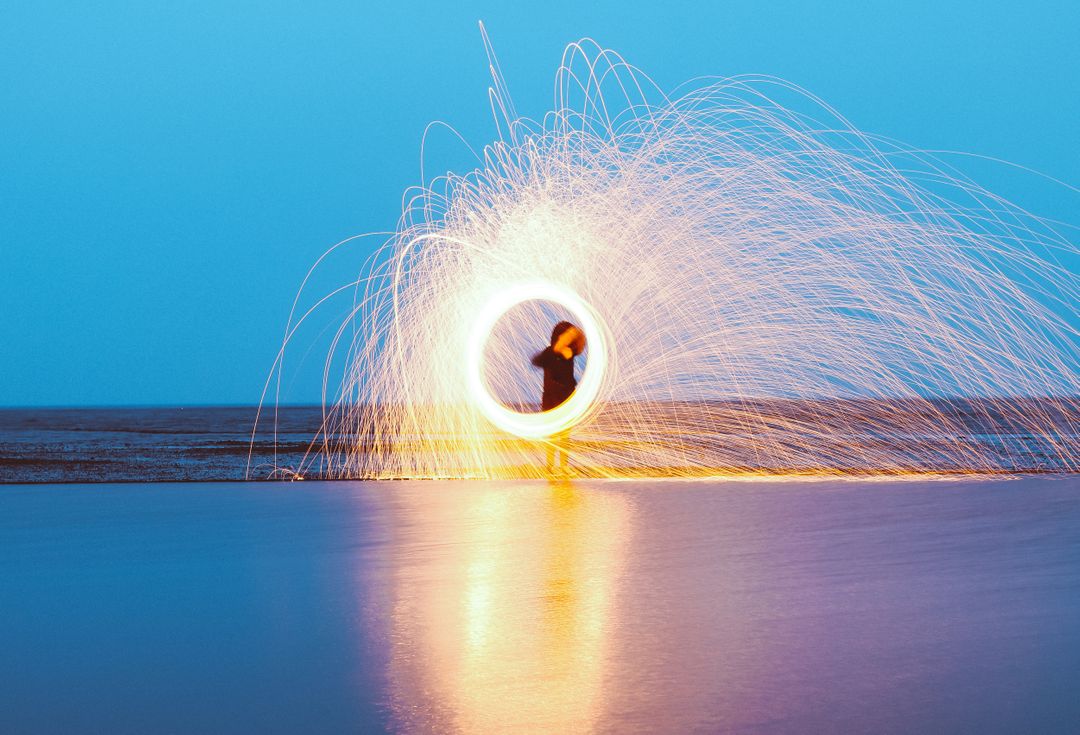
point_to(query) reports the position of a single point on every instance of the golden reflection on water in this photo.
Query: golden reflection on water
(503, 607)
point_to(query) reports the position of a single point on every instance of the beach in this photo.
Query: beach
(561, 368)
(585, 606)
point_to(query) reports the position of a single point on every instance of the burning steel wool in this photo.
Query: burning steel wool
(763, 289)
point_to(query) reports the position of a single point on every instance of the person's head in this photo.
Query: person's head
(558, 330)
(577, 345)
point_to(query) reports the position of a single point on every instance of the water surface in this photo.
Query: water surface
(217, 443)
(811, 606)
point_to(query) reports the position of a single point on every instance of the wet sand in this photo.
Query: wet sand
(634, 606)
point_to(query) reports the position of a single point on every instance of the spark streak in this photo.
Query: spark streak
(764, 288)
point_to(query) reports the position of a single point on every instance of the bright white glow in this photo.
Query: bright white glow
(782, 292)
(569, 413)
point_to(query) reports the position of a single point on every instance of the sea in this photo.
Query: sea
(219, 443)
(152, 444)
(133, 600)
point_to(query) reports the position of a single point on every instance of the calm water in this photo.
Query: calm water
(929, 606)
(43, 445)
(47, 445)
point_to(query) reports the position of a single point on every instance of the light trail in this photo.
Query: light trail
(764, 287)
(535, 425)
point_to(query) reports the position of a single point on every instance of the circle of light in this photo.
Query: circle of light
(570, 412)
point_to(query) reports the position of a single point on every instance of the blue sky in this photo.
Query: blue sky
(170, 170)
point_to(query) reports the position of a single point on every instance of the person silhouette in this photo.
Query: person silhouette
(557, 362)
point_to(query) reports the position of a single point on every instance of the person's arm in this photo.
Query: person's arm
(540, 359)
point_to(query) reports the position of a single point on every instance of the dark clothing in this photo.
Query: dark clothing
(559, 380)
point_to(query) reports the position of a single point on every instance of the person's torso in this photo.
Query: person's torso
(559, 380)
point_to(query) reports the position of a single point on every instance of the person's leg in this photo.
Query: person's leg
(549, 447)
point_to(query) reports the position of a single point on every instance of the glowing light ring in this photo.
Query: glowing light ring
(575, 408)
